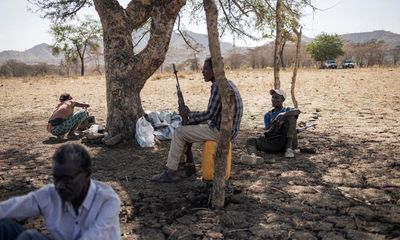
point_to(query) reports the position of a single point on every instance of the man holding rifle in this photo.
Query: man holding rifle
(196, 131)
(280, 126)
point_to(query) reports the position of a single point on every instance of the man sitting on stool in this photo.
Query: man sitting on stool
(196, 132)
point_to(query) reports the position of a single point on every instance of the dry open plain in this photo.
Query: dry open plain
(349, 189)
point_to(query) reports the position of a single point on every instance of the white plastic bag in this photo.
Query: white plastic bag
(144, 133)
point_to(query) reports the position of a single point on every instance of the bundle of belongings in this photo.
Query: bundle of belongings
(160, 125)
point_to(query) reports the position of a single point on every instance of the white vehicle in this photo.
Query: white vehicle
(329, 64)
(348, 64)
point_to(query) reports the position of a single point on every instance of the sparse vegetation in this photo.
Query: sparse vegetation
(13, 68)
(76, 41)
(325, 47)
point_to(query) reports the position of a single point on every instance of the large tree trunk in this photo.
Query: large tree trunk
(296, 66)
(228, 99)
(278, 38)
(126, 73)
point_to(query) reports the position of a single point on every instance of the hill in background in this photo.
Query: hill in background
(180, 52)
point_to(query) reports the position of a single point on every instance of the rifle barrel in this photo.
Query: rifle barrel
(178, 86)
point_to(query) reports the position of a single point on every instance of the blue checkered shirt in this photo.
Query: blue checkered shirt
(214, 110)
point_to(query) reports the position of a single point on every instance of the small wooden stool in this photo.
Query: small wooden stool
(207, 163)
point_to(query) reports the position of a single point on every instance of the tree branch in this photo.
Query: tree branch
(183, 36)
(163, 19)
(231, 25)
(59, 11)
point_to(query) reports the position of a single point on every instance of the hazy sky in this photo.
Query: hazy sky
(21, 29)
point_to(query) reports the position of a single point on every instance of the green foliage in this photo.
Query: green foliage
(74, 40)
(326, 46)
(291, 15)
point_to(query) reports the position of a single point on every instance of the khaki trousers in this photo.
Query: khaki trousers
(188, 134)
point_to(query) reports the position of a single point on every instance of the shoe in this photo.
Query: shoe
(251, 146)
(289, 153)
(189, 170)
(310, 150)
(166, 176)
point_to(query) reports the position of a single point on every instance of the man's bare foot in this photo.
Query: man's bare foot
(61, 137)
(73, 136)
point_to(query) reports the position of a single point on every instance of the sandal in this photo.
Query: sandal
(74, 137)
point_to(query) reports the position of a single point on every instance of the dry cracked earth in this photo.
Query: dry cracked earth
(349, 189)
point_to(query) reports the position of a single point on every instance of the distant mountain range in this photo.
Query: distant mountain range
(391, 39)
(38, 54)
(179, 51)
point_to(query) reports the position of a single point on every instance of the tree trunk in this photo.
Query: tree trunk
(227, 98)
(82, 66)
(278, 38)
(126, 73)
(281, 51)
(296, 66)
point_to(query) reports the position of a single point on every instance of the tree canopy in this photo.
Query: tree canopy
(326, 46)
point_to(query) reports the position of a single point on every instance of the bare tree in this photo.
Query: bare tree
(75, 40)
(395, 52)
(278, 38)
(296, 66)
(227, 98)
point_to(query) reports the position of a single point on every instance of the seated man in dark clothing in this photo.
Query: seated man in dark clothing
(280, 125)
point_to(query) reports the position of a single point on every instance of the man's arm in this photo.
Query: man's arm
(214, 106)
(292, 112)
(83, 105)
(21, 207)
(267, 120)
(106, 225)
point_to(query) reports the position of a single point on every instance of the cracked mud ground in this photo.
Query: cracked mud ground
(349, 189)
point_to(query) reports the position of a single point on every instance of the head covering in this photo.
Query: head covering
(279, 92)
(65, 97)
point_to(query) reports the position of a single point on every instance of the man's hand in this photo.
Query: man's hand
(184, 111)
(280, 117)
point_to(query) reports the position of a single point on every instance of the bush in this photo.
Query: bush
(13, 68)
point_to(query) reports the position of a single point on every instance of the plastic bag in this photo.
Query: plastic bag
(176, 120)
(144, 133)
(164, 133)
(169, 121)
(165, 116)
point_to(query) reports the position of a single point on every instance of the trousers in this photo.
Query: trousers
(188, 134)
(277, 142)
(69, 123)
(10, 230)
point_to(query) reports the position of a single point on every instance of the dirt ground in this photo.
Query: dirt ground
(349, 189)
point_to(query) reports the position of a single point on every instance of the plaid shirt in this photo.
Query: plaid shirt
(214, 110)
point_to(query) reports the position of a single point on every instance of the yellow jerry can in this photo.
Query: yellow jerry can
(207, 163)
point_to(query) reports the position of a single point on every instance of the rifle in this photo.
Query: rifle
(189, 167)
(181, 101)
(302, 129)
(274, 130)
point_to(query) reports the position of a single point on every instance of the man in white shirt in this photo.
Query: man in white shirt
(74, 207)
